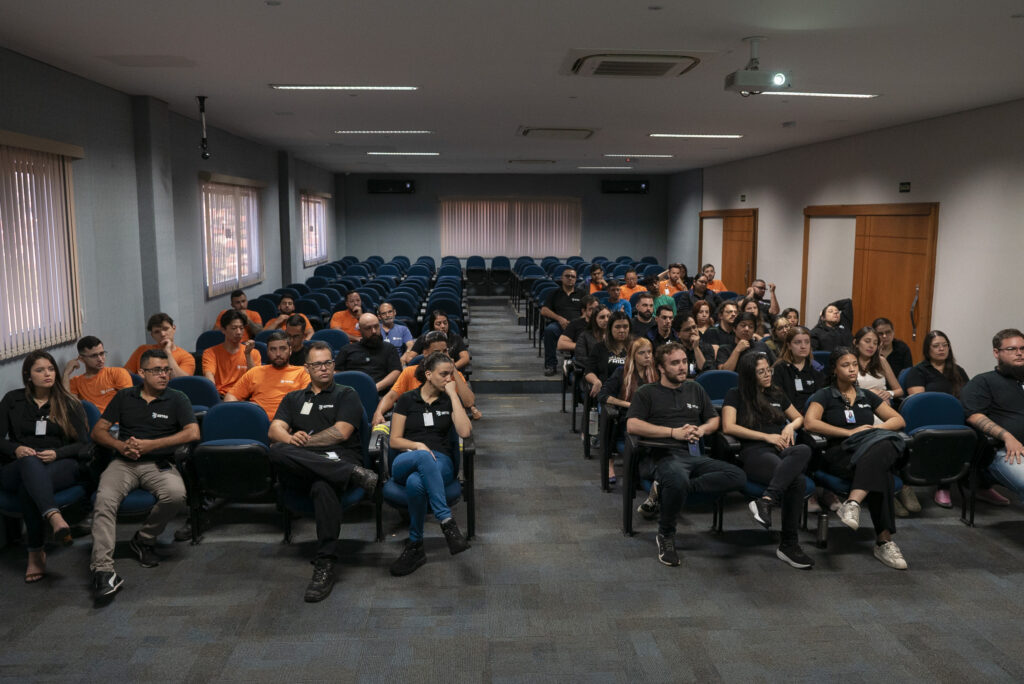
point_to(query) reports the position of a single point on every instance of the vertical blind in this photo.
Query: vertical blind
(314, 230)
(231, 227)
(38, 252)
(490, 227)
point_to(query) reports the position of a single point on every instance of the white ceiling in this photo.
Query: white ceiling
(485, 68)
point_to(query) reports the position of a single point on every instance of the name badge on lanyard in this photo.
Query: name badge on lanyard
(428, 419)
(306, 408)
(850, 418)
(41, 428)
(799, 385)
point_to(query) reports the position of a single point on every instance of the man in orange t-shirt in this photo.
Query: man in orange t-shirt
(713, 284)
(267, 385)
(348, 318)
(240, 302)
(225, 363)
(162, 329)
(99, 383)
(674, 283)
(630, 287)
(285, 310)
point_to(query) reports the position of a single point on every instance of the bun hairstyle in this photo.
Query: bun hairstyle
(429, 364)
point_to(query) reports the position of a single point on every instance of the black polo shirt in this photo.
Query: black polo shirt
(167, 415)
(376, 363)
(337, 403)
(657, 340)
(777, 400)
(414, 408)
(798, 385)
(928, 376)
(835, 406)
(715, 335)
(900, 357)
(824, 338)
(687, 404)
(999, 397)
(640, 328)
(692, 369)
(565, 305)
(757, 346)
(19, 417)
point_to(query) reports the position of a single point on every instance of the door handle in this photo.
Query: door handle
(913, 311)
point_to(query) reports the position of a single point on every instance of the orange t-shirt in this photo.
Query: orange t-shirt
(227, 368)
(100, 388)
(717, 286)
(594, 287)
(626, 292)
(186, 362)
(407, 381)
(272, 324)
(253, 316)
(345, 321)
(266, 385)
(665, 287)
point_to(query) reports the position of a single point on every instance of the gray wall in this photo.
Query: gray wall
(684, 206)
(410, 224)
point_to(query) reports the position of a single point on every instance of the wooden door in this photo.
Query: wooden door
(739, 247)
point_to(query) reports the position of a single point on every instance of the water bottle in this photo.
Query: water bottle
(595, 439)
(822, 541)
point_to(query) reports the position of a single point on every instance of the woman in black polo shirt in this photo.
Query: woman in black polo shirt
(420, 427)
(840, 411)
(938, 372)
(43, 434)
(763, 419)
(797, 374)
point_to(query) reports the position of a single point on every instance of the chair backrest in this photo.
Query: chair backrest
(357, 270)
(301, 288)
(364, 386)
(199, 390)
(272, 297)
(726, 295)
(476, 262)
(822, 357)
(902, 378)
(500, 263)
(264, 336)
(310, 307)
(388, 269)
(316, 281)
(264, 307)
(931, 408)
(236, 420)
(92, 414)
(332, 336)
(320, 298)
(207, 339)
(261, 347)
(328, 271)
(717, 382)
(290, 291)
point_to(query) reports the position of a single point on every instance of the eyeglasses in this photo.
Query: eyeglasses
(97, 355)
(765, 373)
(165, 370)
(1012, 350)
(320, 365)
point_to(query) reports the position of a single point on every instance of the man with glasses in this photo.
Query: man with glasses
(99, 382)
(316, 450)
(561, 307)
(697, 292)
(396, 334)
(162, 329)
(994, 403)
(769, 309)
(371, 355)
(154, 421)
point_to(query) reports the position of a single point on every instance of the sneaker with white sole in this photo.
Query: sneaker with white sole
(667, 551)
(761, 510)
(795, 556)
(849, 514)
(891, 555)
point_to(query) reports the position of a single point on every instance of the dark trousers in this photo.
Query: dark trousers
(35, 482)
(873, 473)
(552, 331)
(784, 474)
(678, 473)
(323, 480)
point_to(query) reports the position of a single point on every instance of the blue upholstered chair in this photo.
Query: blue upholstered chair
(199, 390)
(335, 338)
(717, 383)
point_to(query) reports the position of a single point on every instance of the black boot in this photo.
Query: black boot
(320, 586)
(456, 542)
(367, 479)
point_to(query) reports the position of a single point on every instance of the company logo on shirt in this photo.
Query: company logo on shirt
(692, 406)
(286, 381)
(107, 390)
(865, 406)
(159, 415)
(442, 413)
(326, 406)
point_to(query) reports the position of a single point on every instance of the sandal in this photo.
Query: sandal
(33, 577)
(63, 536)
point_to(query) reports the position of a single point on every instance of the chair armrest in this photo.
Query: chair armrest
(816, 442)
(378, 444)
(724, 447)
(468, 460)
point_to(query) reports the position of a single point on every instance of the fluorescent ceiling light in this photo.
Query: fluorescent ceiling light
(610, 168)
(404, 154)
(285, 86)
(641, 156)
(862, 96)
(382, 132)
(695, 135)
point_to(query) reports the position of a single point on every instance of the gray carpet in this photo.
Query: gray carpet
(550, 591)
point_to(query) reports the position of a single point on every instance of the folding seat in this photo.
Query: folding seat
(327, 271)
(649, 260)
(419, 270)
(357, 270)
(333, 296)
(290, 291)
(312, 310)
(272, 297)
(315, 282)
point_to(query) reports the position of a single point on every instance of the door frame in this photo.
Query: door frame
(723, 214)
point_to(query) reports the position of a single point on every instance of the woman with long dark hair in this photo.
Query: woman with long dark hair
(763, 419)
(592, 333)
(875, 374)
(42, 438)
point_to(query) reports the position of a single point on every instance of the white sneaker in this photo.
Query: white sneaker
(849, 514)
(891, 555)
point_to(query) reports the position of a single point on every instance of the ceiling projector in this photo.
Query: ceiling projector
(750, 80)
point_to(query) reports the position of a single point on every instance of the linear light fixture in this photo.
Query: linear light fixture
(856, 96)
(382, 132)
(641, 156)
(606, 168)
(296, 86)
(701, 136)
(404, 154)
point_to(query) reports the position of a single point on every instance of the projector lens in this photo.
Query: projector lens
(779, 79)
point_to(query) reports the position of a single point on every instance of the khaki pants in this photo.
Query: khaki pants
(120, 478)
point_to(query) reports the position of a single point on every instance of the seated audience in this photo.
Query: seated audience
(792, 315)
(661, 332)
(371, 355)
(673, 283)
(347, 320)
(562, 305)
(253, 322)
(699, 292)
(643, 316)
(267, 385)
(631, 285)
(841, 412)
(154, 421)
(702, 316)
(420, 427)
(596, 279)
(874, 372)
(762, 331)
(457, 347)
(43, 438)
(436, 342)
(395, 334)
(896, 352)
(830, 332)
(796, 372)
(296, 328)
(776, 342)
(316, 450)
(700, 357)
(609, 354)
(567, 340)
(708, 270)
(162, 329)
(756, 291)
(681, 412)
(765, 421)
(99, 382)
(723, 332)
(743, 342)
(225, 363)
(615, 302)
(285, 310)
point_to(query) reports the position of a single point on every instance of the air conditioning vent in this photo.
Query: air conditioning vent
(634, 65)
(542, 133)
(531, 161)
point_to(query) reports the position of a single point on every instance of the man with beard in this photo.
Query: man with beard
(267, 385)
(994, 403)
(680, 413)
(643, 315)
(285, 310)
(728, 355)
(723, 333)
(371, 355)
(225, 363)
(698, 291)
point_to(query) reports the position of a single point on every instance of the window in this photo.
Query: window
(231, 226)
(511, 226)
(40, 305)
(314, 230)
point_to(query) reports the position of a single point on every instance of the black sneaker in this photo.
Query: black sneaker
(367, 479)
(105, 584)
(456, 542)
(795, 556)
(145, 553)
(761, 509)
(413, 556)
(650, 508)
(667, 551)
(550, 370)
(320, 586)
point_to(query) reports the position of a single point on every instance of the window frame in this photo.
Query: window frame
(246, 200)
(318, 204)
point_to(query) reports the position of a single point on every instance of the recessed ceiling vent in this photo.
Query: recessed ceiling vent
(531, 161)
(542, 133)
(633, 64)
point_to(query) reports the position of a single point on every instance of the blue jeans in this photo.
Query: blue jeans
(424, 480)
(551, 334)
(1010, 475)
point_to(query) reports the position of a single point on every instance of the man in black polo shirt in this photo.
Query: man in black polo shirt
(643, 315)
(728, 356)
(561, 307)
(295, 328)
(153, 422)
(567, 340)
(723, 333)
(696, 293)
(371, 355)
(316, 450)
(679, 411)
(661, 332)
(994, 403)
